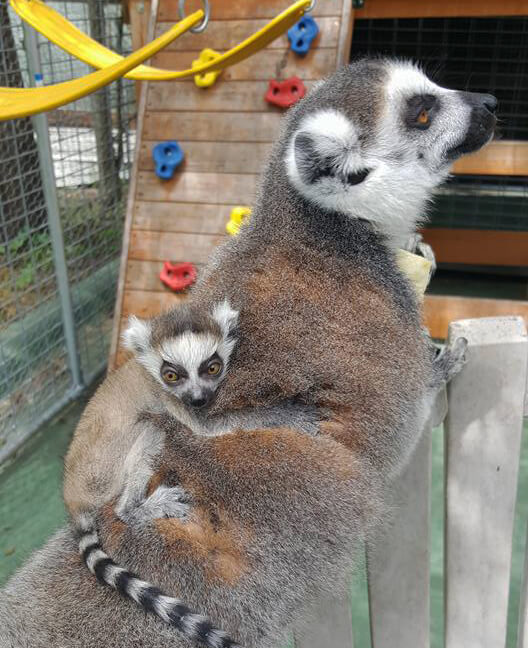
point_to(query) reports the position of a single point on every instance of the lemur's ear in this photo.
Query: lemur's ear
(136, 337)
(226, 317)
(327, 146)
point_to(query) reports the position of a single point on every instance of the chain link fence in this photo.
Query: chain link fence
(63, 188)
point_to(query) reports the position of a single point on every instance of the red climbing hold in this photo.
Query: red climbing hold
(285, 93)
(178, 276)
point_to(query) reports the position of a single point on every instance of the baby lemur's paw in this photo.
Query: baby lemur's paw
(450, 360)
(417, 245)
(164, 502)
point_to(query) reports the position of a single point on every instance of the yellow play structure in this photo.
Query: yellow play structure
(22, 102)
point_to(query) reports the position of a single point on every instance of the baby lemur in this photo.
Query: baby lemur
(179, 360)
(327, 319)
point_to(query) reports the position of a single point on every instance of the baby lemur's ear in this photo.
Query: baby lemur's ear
(226, 317)
(326, 146)
(136, 337)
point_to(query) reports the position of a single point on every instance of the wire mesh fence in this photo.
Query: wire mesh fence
(63, 186)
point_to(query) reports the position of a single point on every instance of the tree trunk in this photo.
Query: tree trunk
(21, 195)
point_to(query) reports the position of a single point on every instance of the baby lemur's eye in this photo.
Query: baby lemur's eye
(423, 117)
(214, 368)
(169, 374)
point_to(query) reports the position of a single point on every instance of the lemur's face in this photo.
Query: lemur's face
(376, 138)
(186, 352)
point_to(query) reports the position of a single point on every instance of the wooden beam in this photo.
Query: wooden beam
(222, 35)
(241, 9)
(436, 9)
(478, 247)
(440, 310)
(505, 157)
(268, 64)
(212, 126)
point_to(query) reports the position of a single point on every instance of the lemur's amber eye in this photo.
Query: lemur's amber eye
(423, 117)
(214, 368)
(169, 375)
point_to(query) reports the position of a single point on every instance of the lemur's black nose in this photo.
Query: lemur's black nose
(198, 402)
(490, 102)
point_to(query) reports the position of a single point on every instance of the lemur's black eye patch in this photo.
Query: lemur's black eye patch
(419, 111)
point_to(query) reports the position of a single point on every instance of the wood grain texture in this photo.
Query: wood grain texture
(246, 96)
(504, 157)
(181, 217)
(478, 247)
(211, 126)
(213, 157)
(269, 64)
(434, 9)
(222, 35)
(440, 310)
(398, 561)
(242, 9)
(221, 188)
(483, 441)
(167, 246)
(148, 304)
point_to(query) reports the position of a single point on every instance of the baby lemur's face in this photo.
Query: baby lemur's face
(186, 350)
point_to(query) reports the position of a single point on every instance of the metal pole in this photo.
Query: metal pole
(52, 207)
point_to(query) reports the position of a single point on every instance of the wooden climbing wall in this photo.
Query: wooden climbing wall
(225, 130)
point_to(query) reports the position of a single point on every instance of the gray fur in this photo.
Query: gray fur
(328, 321)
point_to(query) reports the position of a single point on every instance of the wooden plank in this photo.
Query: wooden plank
(247, 96)
(225, 188)
(242, 9)
(440, 310)
(330, 626)
(345, 34)
(167, 246)
(181, 217)
(504, 157)
(214, 157)
(211, 126)
(148, 304)
(435, 9)
(398, 561)
(478, 247)
(222, 35)
(266, 65)
(522, 633)
(483, 441)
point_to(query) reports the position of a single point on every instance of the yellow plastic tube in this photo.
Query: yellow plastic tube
(22, 102)
(61, 32)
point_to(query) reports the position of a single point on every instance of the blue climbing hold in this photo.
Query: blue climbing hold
(167, 156)
(302, 34)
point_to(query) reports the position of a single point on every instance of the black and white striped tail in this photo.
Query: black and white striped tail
(171, 610)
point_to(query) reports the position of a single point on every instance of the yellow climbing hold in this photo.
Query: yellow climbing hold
(238, 216)
(206, 79)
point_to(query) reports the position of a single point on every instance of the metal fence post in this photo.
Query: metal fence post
(52, 207)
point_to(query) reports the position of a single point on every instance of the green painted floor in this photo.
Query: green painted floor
(31, 509)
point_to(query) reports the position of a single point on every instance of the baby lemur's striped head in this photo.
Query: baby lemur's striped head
(186, 349)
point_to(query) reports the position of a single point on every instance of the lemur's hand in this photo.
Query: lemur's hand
(450, 361)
